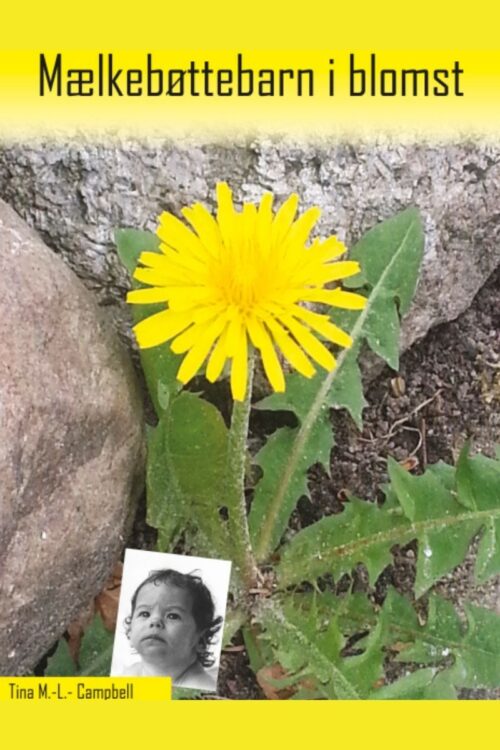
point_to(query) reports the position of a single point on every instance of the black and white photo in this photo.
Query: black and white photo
(170, 618)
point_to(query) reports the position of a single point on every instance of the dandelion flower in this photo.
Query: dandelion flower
(238, 280)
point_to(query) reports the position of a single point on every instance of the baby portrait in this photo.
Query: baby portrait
(170, 618)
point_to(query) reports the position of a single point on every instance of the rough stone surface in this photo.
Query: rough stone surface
(71, 445)
(76, 193)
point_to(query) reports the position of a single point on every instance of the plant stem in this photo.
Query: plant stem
(235, 485)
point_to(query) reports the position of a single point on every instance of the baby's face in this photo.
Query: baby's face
(163, 628)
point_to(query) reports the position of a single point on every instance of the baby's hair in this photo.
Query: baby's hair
(203, 609)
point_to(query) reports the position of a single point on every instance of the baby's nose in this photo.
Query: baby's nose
(156, 619)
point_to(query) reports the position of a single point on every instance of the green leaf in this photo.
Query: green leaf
(185, 473)
(443, 546)
(392, 252)
(428, 511)
(96, 650)
(130, 243)
(259, 651)
(159, 363)
(441, 688)
(478, 663)
(413, 686)
(390, 257)
(362, 533)
(457, 654)
(94, 658)
(474, 648)
(311, 649)
(465, 480)
(60, 664)
(233, 621)
(273, 457)
(488, 555)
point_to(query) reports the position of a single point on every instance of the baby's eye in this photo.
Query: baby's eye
(173, 616)
(143, 613)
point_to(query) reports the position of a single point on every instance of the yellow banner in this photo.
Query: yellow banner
(25, 691)
(235, 724)
(259, 25)
(207, 69)
(203, 92)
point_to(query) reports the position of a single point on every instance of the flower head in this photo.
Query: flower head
(238, 280)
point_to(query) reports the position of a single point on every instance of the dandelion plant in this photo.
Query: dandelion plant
(217, 296)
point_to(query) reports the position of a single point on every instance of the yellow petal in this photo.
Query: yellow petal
(322, 325)
(261, 340)
(335, 297)
(199, 332)
(183, 261)
(199, 352)
(206, 228)
(291, 351)
(153, 260)
(185, 298)
(239, 369)
(310, 343)
(302, 228)
(148, 296)
(328, 249)
(204, 314)
(175, 234)
(335, 271)
(234, 332)
(160, 327)
(217, 358)
(284, 219)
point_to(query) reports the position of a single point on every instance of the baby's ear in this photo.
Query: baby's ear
(128, 626)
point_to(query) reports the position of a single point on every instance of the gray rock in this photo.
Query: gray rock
(71, 445)
(76, 193)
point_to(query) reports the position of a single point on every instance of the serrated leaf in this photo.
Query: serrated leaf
(159, 363)
(445, 473)
(364, 533)
(60, 664)
(473, 647)
(96, 650)
(483, 479)
(390, 256)
(186, 469)
(310, 648)
(272, 458)
(444, 545)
